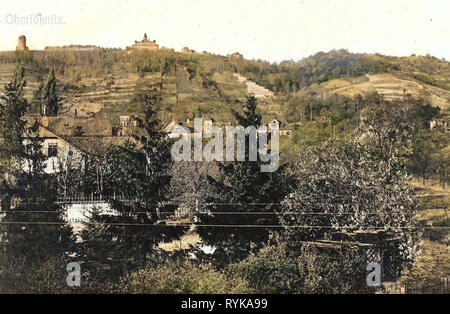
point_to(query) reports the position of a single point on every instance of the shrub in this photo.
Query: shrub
(183, 277)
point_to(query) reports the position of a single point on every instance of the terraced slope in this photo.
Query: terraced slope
(112, 93)
(393, 86)
(433, 262)
(108, 84)
(253, 88)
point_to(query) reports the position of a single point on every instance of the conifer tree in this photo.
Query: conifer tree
(49, 98)
(33, 230)
(13, 106)
(242, 199)
(140, 177)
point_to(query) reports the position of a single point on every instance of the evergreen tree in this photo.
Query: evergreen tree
(140, 177)
(33, 230)
(49, 98)
(36, 101)
(243, 198)
(13, 106)
(421, 154)
(97, 251)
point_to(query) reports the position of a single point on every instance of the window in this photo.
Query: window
(52, 150)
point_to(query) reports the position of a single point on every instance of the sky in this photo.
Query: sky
(272, 30)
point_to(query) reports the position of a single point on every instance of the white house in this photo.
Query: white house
(175, 129)
(58, 149)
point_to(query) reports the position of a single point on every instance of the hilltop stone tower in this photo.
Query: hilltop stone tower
(22, 43)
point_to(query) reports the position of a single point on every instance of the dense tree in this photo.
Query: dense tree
(421, 154)
(190, 186)
(13, 106)
(443, 165)
(321, 67)
(33, 229)
(277, 269)
(49, 98)
(138, 181)
(358, 191)
(242, 198)
(183, 277)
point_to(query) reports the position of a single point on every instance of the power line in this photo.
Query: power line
(213, 213)
(223, 226)
(108, 200)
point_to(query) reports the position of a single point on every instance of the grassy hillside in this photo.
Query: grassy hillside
(195, 84)
(89, 83)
